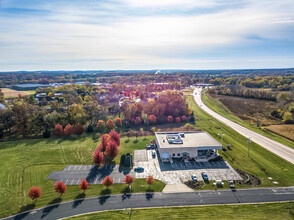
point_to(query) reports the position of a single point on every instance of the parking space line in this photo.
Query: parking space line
(72, 181)
(113, 179)
(75, 167)
(200, 164)
(69, 167)
(118, 180)
(80, 167)
(85, 167)
(78, 181)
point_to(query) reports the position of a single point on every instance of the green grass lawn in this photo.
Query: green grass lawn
(252, 211)
(27, 163)
(261, 162)
(221, 109)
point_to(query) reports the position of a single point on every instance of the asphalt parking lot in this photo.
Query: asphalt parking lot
(73, 174)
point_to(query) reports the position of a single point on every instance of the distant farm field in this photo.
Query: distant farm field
(286, 131)
(250, 110)
(8, 93)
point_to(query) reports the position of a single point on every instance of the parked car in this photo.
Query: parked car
(153, 154)
(139, 169)
(204, 176)
(194, 178)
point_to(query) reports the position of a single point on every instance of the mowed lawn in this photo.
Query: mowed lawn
(253, 211)
(261, 162)
(27, 163)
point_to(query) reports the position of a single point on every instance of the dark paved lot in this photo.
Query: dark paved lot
(181, 165)
(73, 174)
(142, 200)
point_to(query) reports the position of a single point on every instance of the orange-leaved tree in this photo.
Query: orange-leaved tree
(98, 157)
(100, 125)
(128, 179)
(111, 149)
(107, 181)
(60, 188)
(150, 180)
(152, 119)
(34, 193)
(110, 124)
(58, 130)
(68, 130)
(104, 141)
(84, 185)
(118, 122)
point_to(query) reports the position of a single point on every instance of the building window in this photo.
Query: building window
(179, 154)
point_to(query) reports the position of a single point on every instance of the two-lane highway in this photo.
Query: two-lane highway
(127, 201)
(277, 148)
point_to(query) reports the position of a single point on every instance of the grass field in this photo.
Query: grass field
(218, 107)
(27, 163)
(11, 93)
(261, 162)
(253, 211)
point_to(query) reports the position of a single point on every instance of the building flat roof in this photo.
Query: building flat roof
(191, 139)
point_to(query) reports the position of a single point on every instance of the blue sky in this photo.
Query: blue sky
(146, 34)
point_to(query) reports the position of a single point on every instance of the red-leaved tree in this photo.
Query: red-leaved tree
(150, 180)
(84, 185)
(68, 130)
(170, 119)
(79, 129)
(60, 187)
(104, 141)
(184, 118)
(110, 124)
(98, 157)
(137, 93)
(138, 121)
(128, 179)
(118, 122)
(152, 119)
(58, 130)
(115, 137)
(34, 193)
(178, 119)
(111, 149)
(100, 125)
(107, 181)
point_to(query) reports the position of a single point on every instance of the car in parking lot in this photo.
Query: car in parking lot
(204, 176)
(153, 154)
(139, 169)
(194, 178)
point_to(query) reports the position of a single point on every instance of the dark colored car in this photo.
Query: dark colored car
(204, 176)
(194, 178)
(139, 169)
(153, 154)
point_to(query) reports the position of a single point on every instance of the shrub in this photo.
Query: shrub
(110, 124)
(170, 119)
(68, 130)
(104, 141)
(90, 129)
(128, 179)
(107, 181)
(98, 157)
(46, 134)
(184, 118)
(100, 125)
(58, 130)
(84, 185)
(115, 137)
(60, 187)
(152, 119)
(111, 149)
(78, 129)
(178, 119)
(118, 122)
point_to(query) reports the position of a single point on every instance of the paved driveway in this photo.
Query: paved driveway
(277, 148)
(179, 172)
(73, 174)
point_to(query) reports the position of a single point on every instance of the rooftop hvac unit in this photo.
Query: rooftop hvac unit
(182, 135)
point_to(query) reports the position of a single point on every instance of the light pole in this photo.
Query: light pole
(248, 141)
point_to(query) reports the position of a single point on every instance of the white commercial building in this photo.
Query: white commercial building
(186, 145)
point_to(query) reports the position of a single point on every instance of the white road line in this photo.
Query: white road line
(75, 167)
(118, 180)
(78, 181)
(66, 181)
(69, 167)
(72, 181)
(80, 167)
(85, 167)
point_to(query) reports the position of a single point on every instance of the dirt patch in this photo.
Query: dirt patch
(286, 131)
(248, 179)
(195, 185)
(252, 111)
(13, 93)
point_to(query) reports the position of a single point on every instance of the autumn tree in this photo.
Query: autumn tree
(138, 121)
(150, 180)
(104, 141)
(170, 119)
(78, 129)
(152, 119)
(115, 137)
(128, 179)
(98, 157)
(58, 130)
(118, 122)
(107, 181)
(110, 124)
(34, 193)
(184, 118)
(178, 119)
(137, 93)
(60, 188)
(111, 149)
(68, 130)
(84, 185)
(100, 125)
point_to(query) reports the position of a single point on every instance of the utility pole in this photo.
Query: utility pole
(248, 141)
